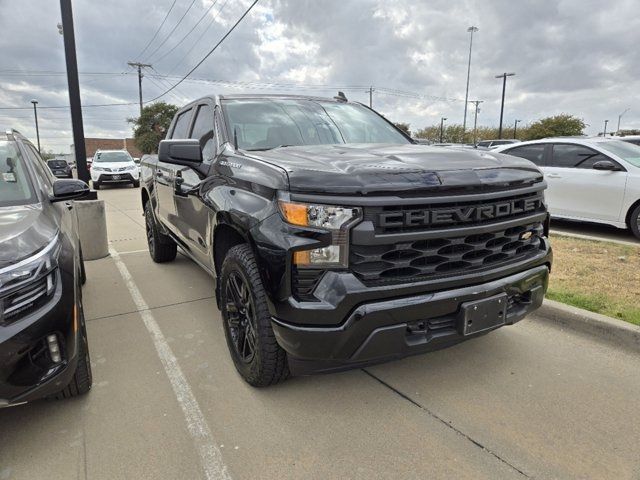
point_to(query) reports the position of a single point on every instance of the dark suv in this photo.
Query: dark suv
(43, 341)
(60, 168)
(335, 240)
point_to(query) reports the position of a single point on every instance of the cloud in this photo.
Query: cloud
(571, 56)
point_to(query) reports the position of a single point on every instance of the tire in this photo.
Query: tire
(96, 185)
(83, 273)
(634, 221)
(83, 377)
(259, 359)
(136, 184)
(162, 248)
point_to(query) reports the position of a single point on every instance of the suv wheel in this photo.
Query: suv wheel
(83, 377)
(96, 185)
(247, 323)
(162, 248)
(634, 221)
(136, 184)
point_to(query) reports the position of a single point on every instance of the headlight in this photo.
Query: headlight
(336, 219)
(25, 284)
(97, 169)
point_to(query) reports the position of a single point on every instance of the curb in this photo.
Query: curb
(616, 332)
(593, 238)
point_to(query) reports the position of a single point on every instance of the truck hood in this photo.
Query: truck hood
(361, 169)
(24, 230)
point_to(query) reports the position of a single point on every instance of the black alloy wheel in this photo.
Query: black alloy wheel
(241, 320)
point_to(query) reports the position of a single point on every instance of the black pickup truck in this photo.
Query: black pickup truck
(337, 242)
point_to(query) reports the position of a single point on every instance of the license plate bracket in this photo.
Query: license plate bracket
(485, 314)
(116, 177)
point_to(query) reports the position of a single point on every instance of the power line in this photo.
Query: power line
(197, 42)
(210, 51)
(188, 33)
(158, 30)
(172, 30)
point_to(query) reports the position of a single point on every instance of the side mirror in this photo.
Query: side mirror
(605, 165)
(68, 189)
(180, 152)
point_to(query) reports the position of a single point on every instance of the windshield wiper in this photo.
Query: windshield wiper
(268, 148)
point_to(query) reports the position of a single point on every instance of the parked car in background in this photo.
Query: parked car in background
(589, 179)
(43, 339)
(60, 168)
(491, 144)
(114, 167)
(635, 139)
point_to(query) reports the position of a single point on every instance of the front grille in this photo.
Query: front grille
(435, 216)
(426, 259)
(304, 282)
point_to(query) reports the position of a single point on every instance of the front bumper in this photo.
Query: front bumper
(117, 177)
(26, 372)
(378, 331)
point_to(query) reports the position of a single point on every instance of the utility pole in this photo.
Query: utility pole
(620, 118)
(504, 86)
(515, 128)
(475, 119)
(139, 66)
(471, 30)
(605, 128)
(442, 119)
(74, 89)
(370, 97)
(35, 114)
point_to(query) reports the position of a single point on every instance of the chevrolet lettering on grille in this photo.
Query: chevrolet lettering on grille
(456, 215)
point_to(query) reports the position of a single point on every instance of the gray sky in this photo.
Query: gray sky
(575, 56)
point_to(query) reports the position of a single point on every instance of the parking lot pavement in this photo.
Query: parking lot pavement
(595, 231)
(530, 400)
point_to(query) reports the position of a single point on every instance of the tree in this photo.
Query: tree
(405, 127)
(152, 125)
(563, 125)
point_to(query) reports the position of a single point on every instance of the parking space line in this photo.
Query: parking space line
(210, 456)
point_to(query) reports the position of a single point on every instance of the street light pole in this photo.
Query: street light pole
(515, 128)
(620, 118)
(35, 114)
(605, 128)
(74, 89)
(471, 30)
(475, 119)
(504, 86)
(442, 119)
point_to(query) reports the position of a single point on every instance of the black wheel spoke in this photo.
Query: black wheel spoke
(235, 289)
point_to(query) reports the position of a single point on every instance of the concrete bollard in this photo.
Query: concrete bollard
(92, 226)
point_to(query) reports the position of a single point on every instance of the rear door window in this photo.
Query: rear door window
(533, 153)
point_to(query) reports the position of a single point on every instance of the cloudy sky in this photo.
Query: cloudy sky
(574, 56)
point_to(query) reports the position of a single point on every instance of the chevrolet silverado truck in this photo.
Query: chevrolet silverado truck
(336, 242)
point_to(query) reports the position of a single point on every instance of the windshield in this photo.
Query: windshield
(15, 183)
(112, 157)
(262, 124)
(625, 150)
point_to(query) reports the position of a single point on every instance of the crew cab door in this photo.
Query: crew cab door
(577, 190)
(166, 173)
(193, 216)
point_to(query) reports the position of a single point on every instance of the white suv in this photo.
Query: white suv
(591, 179)
(114, 166)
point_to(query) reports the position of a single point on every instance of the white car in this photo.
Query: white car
(494, 144)
(590, 179)
(113, 167)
